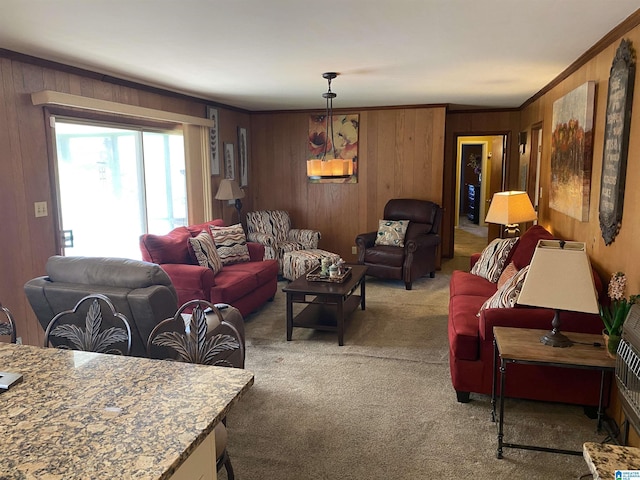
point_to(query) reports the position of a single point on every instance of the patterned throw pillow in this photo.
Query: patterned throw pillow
(508, 272)
(493, 259)
(231, 243)
(205, 251)
(391, 232)
(507, 295)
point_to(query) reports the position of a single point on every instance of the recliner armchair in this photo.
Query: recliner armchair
(272, 228)
(141, 291)
(418, 255)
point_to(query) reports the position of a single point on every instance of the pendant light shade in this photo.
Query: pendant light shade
(329, 166)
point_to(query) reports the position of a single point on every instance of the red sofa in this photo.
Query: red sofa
(471, 338)
(246, 286)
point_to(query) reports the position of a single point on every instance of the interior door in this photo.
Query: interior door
(533, 180)
(498, 162)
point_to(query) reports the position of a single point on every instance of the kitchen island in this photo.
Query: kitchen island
(80, 415)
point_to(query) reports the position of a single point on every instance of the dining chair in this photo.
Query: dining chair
(199, 333)
(7, 324)
(93, 325)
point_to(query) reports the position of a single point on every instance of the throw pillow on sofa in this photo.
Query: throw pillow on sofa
(206, 252)
(391, 232)
(169, 248)
(493, 259)
(521, 255)
(231, 243)
(507, 295)
(506, 275)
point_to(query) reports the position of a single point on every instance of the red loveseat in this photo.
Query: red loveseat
(246, 286)
(471, 338)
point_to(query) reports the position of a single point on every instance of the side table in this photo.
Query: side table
(522, 345)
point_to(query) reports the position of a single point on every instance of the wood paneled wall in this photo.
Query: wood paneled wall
(26, 242)
(400, 156)
(620, 255)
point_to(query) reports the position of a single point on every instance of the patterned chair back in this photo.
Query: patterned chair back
(271, 222)
(93, 325)
(186, 337)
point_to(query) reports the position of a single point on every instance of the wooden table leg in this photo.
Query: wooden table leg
(289, 316)
(340, 320)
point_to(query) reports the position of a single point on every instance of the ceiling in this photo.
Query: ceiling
(270, 54)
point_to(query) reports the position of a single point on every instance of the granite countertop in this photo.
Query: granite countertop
(80, 415)
(604, 459)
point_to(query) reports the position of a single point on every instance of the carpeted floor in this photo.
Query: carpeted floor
(382, 406)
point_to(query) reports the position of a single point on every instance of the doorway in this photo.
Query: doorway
(479, 165)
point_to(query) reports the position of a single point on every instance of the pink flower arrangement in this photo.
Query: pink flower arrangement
(614, 314)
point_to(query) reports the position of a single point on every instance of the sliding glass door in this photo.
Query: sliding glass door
(114, 184)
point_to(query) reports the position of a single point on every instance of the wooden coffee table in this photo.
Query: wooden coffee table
(328, 303)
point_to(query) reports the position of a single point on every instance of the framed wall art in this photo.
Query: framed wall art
(572, 152)
(616, 141)
(212, 114)
(229, 162)
(243, 156)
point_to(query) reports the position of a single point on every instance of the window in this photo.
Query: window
(116, 183)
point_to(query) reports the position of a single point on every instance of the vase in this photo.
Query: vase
(611, 343)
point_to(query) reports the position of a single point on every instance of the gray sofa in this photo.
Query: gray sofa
(141, 291)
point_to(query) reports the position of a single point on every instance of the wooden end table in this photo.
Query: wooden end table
(329, 305)
(522, 345)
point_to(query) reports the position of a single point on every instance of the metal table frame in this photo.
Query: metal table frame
(503, 368)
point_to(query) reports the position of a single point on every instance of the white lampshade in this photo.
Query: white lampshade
(560, 277)
(510, 208)
(229, 190)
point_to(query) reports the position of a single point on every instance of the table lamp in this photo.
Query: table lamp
(559, 277)
(510, 209)
(230, 190)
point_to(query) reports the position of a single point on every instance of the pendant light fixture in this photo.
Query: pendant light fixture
(329, 166)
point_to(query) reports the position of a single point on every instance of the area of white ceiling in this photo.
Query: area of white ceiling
(270, 54)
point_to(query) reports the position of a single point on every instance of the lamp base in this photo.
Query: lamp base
(556, 339)
(512, 230)
(238, 205)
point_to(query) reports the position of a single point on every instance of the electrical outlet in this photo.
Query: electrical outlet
(354, 250)
(41, 209)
